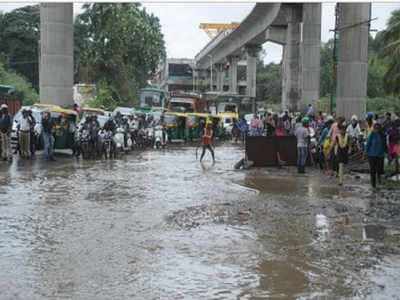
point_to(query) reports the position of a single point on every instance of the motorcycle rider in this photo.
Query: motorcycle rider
(353, 131)
(110, 125)
(118, 118)
(94, 127)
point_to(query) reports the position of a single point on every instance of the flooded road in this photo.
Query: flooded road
(159, 225)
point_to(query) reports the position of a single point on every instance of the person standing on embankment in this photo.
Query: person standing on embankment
(376, 148)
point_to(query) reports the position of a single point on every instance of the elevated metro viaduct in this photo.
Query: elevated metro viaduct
(297, 27)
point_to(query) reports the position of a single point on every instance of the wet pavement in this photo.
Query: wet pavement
(160, 225)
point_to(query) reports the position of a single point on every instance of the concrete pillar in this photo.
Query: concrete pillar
(352, 69)
(310, 54)
(251, 71)
(291, 62)
(285, 101)
(220, 74)
(233, 65)
(57, 53)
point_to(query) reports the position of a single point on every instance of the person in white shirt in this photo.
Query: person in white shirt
(24, 134)
(353, 130)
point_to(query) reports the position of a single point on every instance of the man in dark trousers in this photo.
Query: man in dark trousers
(48, 138)
(206, 141)
(32, 122)
(5, 130)
(376, 148)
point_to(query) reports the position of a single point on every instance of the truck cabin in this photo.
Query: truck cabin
(186, 103)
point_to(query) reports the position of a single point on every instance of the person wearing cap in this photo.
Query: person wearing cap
(376, 148)
(353, 129)
(5, 130)
(206, 141)
(302, 135)
(24, 134)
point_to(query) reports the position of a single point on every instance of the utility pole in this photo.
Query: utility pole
(334, 59)
(211, 70)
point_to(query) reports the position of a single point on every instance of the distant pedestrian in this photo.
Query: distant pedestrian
(370, 123)
(255, 126)
(243, 127)
(5, 131)
(48, 138)
(310, 110)
(302, 135)
(393, 134)
(324, 145)
(341, 148)
(376, 148)
(24, 128)
(280, 128)
(32, 123)
(207, 141)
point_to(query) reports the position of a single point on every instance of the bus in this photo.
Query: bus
(152, 98)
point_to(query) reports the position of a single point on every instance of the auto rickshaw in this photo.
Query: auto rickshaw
(227, 121)
(195, 123)
(91, 111)
(175, 124)
(65, 126)
(216, 125)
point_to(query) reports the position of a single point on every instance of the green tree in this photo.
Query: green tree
(119, 44)
(391, 53)
(24, 90)
(327, 83)
(19, 41)
(104, 98)
(269, 81)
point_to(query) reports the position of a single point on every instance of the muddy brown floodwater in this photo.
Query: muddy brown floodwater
(158, 225)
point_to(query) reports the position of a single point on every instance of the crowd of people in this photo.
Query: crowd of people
(334, 138)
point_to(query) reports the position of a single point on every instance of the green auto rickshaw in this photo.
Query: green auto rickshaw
(176, 126)
(64, 128)
(195, 124)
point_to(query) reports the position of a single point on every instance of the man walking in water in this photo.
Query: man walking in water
(206, 141)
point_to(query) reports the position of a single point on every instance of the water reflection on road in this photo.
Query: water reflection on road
(156, 225)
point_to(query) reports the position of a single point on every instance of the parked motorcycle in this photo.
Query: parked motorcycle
(160, 137)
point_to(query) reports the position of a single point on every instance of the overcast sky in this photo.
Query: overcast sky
(183, 38)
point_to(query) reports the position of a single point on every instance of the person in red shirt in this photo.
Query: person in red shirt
(206, 141)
